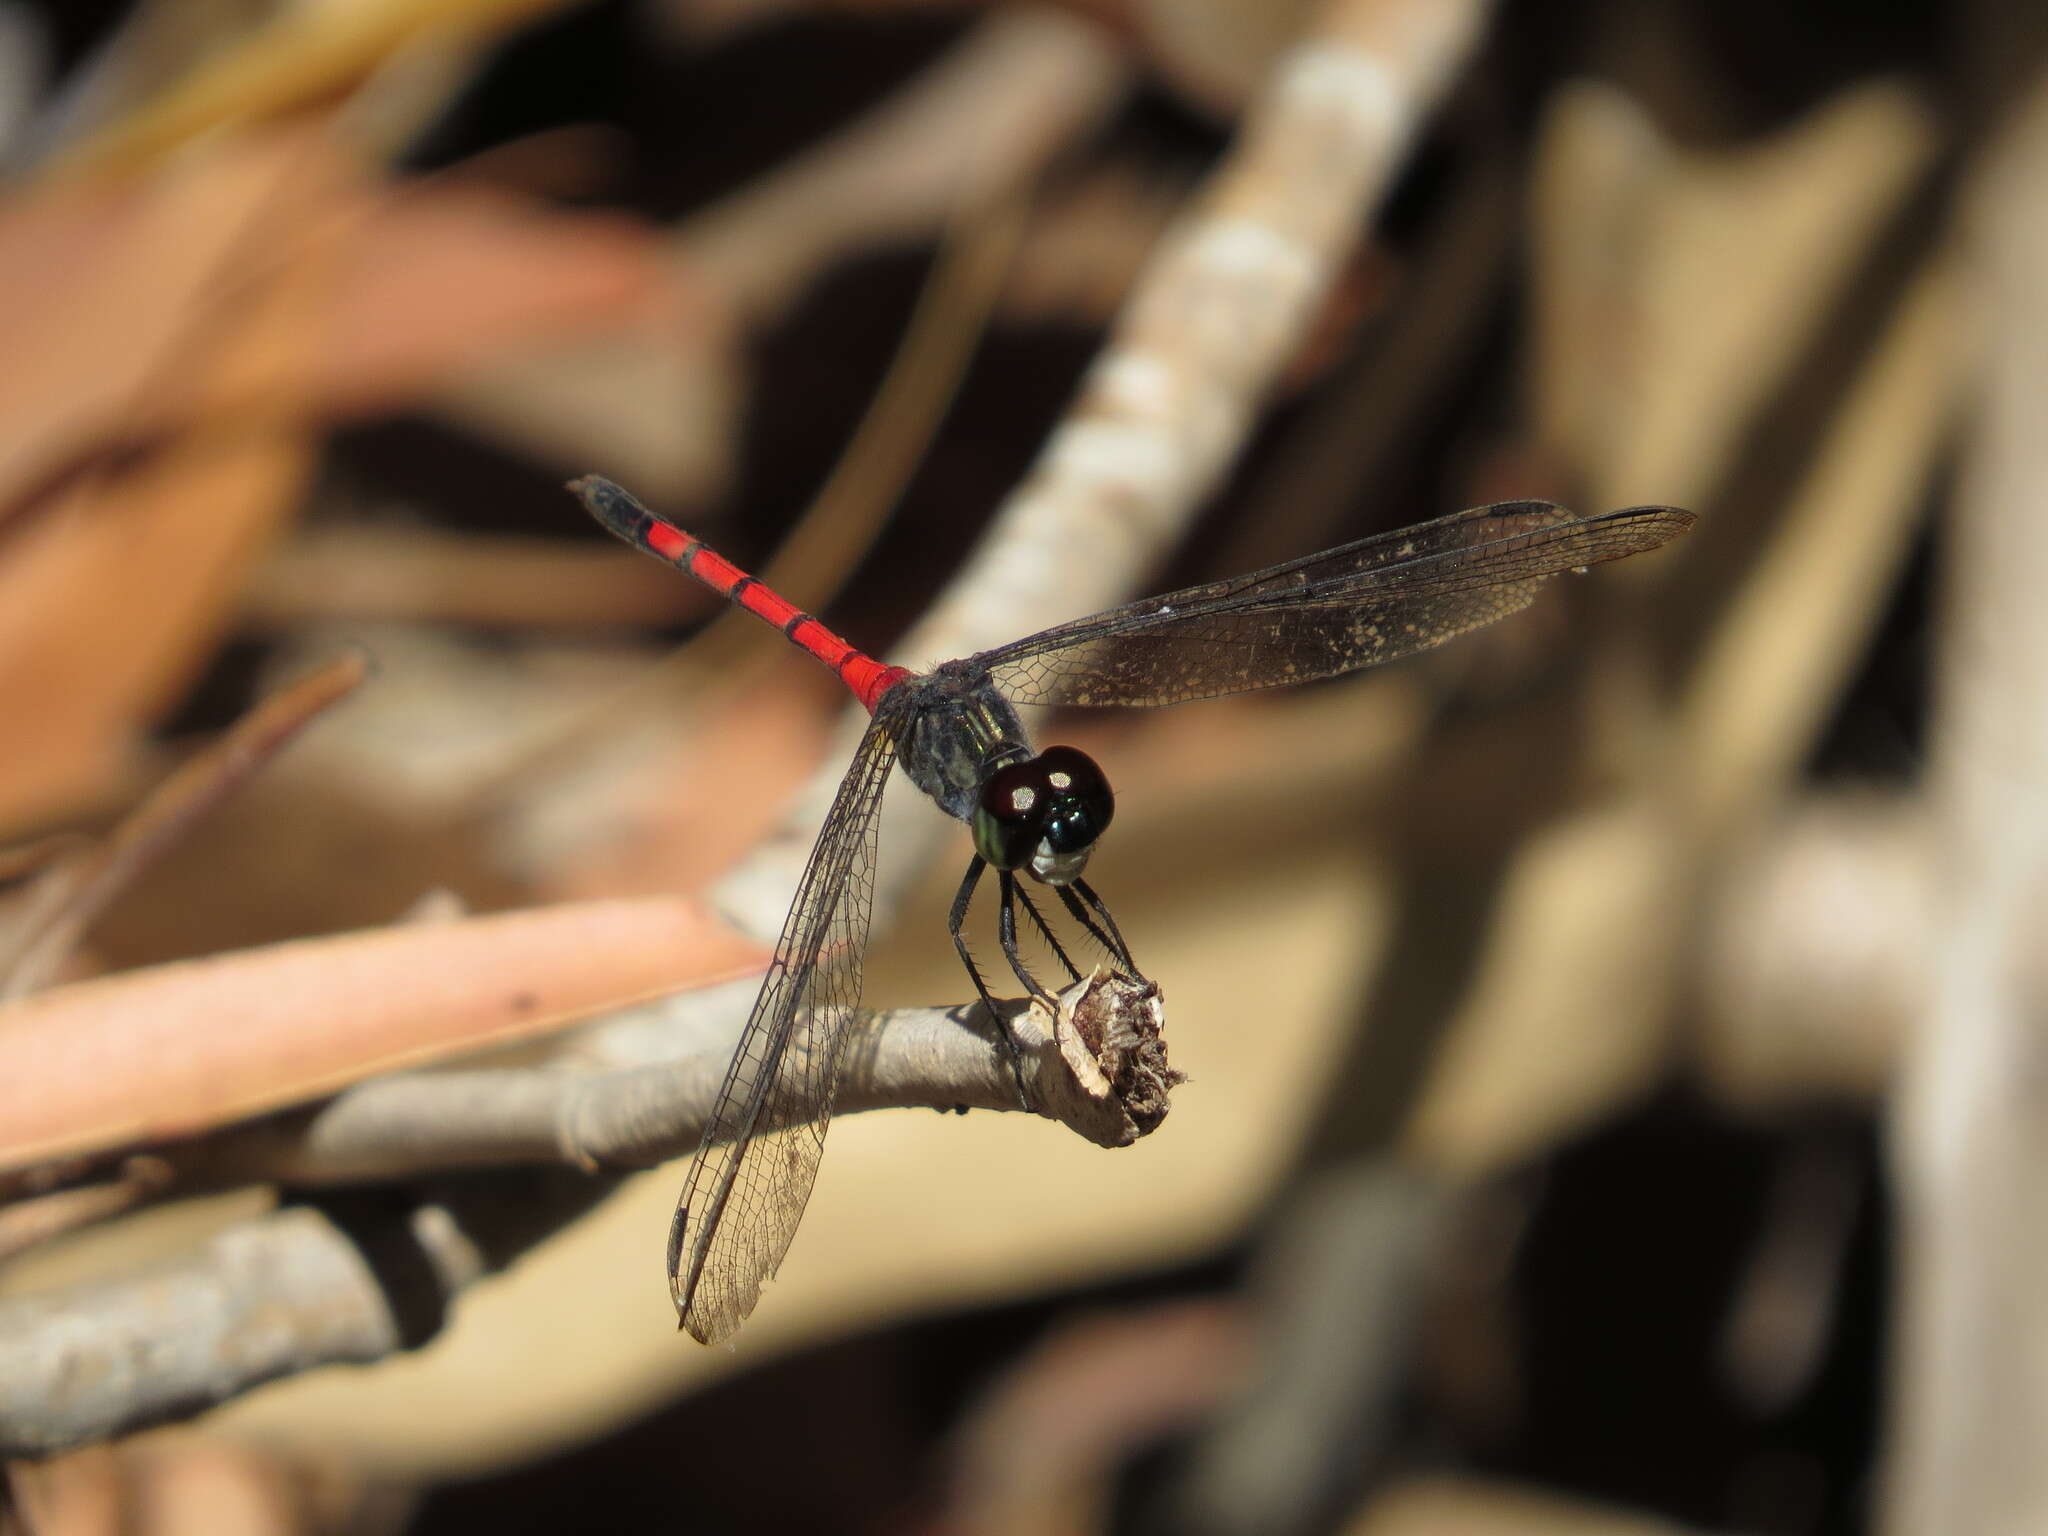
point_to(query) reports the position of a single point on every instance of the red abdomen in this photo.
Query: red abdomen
(624, 514)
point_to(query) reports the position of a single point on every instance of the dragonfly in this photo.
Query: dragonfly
(1035, 816)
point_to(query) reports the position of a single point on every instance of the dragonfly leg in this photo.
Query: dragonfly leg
(1006, 930)
(955, 921)
(1037, 917)
(1078, 891)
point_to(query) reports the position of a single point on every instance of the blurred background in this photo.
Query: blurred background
(1614, 1096)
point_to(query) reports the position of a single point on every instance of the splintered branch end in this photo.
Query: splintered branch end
(1106, 1076)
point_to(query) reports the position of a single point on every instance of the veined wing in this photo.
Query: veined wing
(1354, 606)
(753, 1172)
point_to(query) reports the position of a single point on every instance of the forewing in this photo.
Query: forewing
(1335, 612)
(752, 1174)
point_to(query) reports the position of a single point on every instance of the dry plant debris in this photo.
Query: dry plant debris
(1387, 916)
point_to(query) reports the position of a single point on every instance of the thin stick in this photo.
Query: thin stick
(74, 893)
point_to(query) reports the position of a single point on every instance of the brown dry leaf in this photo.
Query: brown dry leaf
(170, 345)
(121, 303)
(116, 580)
(176, 1049)
(108, 605)
(439, 277)
(118, 299)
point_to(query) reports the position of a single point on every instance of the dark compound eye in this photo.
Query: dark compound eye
(1007, 819)
(1080, 802)
(1046, 812)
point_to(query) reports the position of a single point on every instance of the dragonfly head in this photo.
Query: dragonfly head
(1044, 814)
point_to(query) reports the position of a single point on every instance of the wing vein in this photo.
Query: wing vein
(753, 1172)
(1355, 606)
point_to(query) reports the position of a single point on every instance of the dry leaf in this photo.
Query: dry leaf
(441, 277)
(171, 346)
(176, 1049)
(116, 576)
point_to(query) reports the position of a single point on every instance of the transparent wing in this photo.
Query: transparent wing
(753, 1172)
(1351, 607)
